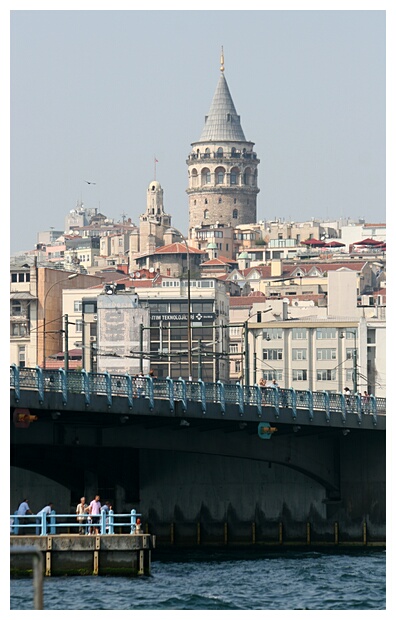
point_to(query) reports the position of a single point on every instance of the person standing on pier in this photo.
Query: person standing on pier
(81, 511)
(94, 511)
(23, 509)
(39, 516)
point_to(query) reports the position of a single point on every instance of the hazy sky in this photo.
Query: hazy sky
(96, 95)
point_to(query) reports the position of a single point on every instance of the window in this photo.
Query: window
(299, 333)
(220, 200)
(325, 333)
(21, 357)
(326, 375)
(299, 374)
(272, 354)
(235, 332)
(233, 178)
(326, 354)
(220, 176)
(235, 214)
(219, 152)
(273, 333)
(79, 325)
(299, 354)
(14, 277)
(237, 366)
(16, 308)
(207, 153)
(78, 306)
(234, 348)
(272, 374)
(206, 214)
(19, 330)
(349, 375)
(207, 177)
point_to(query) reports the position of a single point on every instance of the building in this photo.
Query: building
(222, 167)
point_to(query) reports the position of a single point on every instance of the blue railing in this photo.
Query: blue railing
(52, 524)
(110, 386)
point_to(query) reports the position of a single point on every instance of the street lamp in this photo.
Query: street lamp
(73, 275)
(189, 339)
(354, 354)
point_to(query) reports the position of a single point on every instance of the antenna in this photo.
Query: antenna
(222, 60)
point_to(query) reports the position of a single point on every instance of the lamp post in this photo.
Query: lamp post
(246, 339)
(73, 275)
(354, 355)
(189, 338)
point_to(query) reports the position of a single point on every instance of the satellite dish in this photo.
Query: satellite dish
(151, 270)
(137, 274)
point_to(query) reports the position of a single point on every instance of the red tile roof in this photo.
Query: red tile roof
(177, 248)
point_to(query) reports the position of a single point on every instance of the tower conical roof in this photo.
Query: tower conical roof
(222, 122)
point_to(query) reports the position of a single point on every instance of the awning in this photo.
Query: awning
(22, 295)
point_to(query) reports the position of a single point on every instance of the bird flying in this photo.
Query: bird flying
(90, 182)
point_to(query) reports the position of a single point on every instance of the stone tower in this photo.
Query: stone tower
(222, 167)
(154, 222)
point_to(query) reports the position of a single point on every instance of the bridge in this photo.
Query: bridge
(187, 452)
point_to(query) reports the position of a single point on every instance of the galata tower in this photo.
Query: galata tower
(222, 167)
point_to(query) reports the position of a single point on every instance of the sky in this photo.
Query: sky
(98, 95)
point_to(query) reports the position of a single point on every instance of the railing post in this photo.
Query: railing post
(257, 391)
(52, 523)
(310, 404)
(373, 408)
(40, 384)
(129, 390)
(202, 389)
(17, 385)
(108, 388)
(15, 525)
(103, 521)
(327, 405)
(171, 393)
(221, 396)
(343, 407)
(43, 524)
(184, 394)
(85, 378)
(293, 403)
(358, 405)
(240, 403)
(276, 401)
(133, 520)
(111, 521)
(63, 381)
(150, 384)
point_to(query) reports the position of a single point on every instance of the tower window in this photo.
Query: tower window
(235, 214)
(206, 201)
(220, 152)
(195, 202)
(206, 214)
(207, 153)
(220, 200)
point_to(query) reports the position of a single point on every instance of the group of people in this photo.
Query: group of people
(88, 515)
(24, 509)
(364, 399)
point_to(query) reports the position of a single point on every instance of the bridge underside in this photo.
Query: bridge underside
(183, 468)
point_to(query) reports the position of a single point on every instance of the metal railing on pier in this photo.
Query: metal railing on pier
(52, 524)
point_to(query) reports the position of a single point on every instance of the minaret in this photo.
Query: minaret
(222, 167)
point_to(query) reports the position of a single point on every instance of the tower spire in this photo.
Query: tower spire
(222, 60)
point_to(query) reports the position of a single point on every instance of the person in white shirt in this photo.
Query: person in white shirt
(23, 509)
(39, 516)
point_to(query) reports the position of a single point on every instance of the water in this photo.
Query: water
(225, 581)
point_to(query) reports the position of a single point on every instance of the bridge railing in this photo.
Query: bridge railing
(52, 524)
(72, 382)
